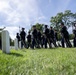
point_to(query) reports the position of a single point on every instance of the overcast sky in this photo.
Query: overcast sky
(24, 13)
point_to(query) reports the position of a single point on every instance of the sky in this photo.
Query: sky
(24, 13)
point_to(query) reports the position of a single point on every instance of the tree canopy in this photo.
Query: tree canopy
(38, 26)
(66, 17)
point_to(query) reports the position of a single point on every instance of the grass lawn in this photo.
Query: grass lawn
(59, 61)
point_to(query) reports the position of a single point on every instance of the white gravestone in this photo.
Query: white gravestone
(20, 44)
(16, 44)
(5, 41)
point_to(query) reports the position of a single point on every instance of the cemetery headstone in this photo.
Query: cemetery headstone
(5, 41)
(16, 44)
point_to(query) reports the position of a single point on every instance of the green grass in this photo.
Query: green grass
(60, 61)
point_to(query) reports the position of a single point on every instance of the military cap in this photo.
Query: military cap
(46, 25)
(62, 23)
(23, 28)
(34, 26)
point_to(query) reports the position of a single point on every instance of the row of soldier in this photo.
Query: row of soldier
(36, 39)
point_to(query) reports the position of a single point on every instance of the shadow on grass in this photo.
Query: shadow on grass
(16, 54)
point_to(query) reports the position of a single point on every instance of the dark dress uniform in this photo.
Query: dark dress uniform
(46, 36)
(42, 40)
(29, 40)
(34, 40)
(39, 38)
(56, 36)
(18, 37)
(74, 40)
(52, 37)
(22, 35)
(65, 36)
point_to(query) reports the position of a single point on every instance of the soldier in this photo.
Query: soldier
(74, 40)
(22, 35)
(43, 40)
(18, 37)
(52, 37)
(34, 40)
(56, 37)
(65, 35)
(46, 36)
(62, 41)
(29, 40)
(39, 38)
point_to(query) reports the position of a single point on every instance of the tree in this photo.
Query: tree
(67, 17)
(74, 16)
(56, 20)
(11, 42)
(38, 26)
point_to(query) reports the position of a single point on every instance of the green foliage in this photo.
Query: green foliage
(38, 26)
(71, 36)
(60, 61)
(11, 42)
(67, 17)
(59, 36)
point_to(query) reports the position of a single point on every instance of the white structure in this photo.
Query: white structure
(5, 41)
(20, 44)
(16, 44)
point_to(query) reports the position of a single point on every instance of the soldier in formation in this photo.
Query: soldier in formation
(65, 36)
(74, 32)
(46, 39)
(22, 36)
